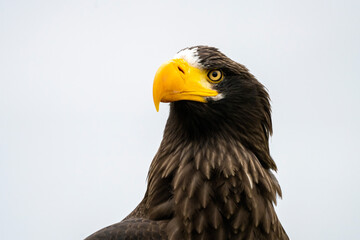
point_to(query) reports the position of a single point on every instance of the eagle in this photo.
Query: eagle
(212, 177)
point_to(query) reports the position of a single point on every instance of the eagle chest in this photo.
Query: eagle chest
(211, 190)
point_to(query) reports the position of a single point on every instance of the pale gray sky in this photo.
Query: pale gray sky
(78, 128)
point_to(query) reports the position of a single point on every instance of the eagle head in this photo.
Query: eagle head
(211, 94)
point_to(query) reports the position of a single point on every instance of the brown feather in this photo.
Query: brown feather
(215, 218)
(194, 184)
(200, 222)
(205, 194)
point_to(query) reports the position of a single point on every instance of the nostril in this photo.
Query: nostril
(181, 70)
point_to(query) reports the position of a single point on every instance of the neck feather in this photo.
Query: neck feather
(204, 185)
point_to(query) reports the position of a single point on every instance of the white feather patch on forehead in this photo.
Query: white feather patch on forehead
(191, 56)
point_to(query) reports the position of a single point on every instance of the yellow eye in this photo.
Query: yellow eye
(215, 76)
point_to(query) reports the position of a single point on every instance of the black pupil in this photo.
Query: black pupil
(214, 74)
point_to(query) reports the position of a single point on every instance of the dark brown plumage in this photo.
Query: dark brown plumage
(212, 175)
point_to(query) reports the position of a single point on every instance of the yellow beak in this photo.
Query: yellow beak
(176, 80)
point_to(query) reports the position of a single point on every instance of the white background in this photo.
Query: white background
(78, 128)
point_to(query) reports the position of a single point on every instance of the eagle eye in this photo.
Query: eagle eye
(215, 76)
